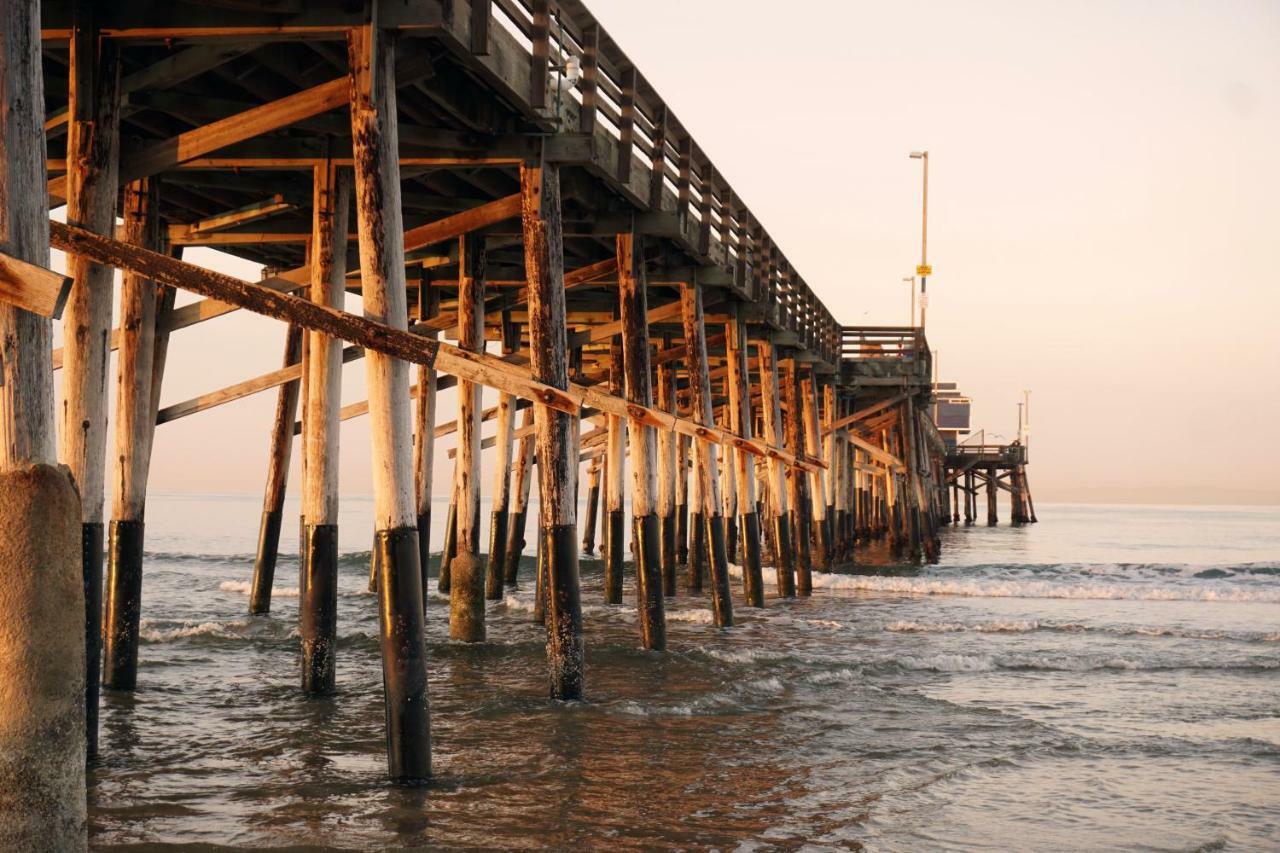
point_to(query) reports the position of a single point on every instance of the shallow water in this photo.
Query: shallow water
(1108, 678)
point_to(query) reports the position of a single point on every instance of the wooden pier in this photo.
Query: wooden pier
(523, 217)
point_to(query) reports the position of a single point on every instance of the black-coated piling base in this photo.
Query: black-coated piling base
(264, 567)
(123, 609)
(801, 557)
(783, 557)
(731, 538)
(424, 550)
(449, 550)
(682, 534)
(821, 545)
(615, 545)
(589, 532)
(404, 655)
(717, 557)
(564, 612)
(649, 603)
(540, 584)
(697, 552)
(318, 608)
(515, 547)
(91, 542)
(667, 534)
(495, 571)
(752, 576)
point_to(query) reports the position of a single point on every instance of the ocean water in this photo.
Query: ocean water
(1106, 679)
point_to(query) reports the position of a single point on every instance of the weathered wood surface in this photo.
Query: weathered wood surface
(557, 431)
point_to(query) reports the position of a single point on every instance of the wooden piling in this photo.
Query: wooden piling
(466, 575)
(557, 431)
(818, 486)
(992, 515)
(615, 539)
(706, 454)
(520, 510)
(741, 422)
(495, 573)
(793, 432)
(667, 442)
(43, 644)
(375, 143)
(93, 134)
(643, 441)
(593, 503)
(264, 567)
(134, 428)
(772, 414)
(318, 550)
(424, 432)
(682, 495)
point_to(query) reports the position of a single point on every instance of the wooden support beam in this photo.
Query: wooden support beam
(864, 413)
(43, 644)
(33, 288)
(466, 574)
(371, 58)
(122, 612)
(666, 506)
(796, 492)
(633, 303)
(818, 491)
(495, 574)
(264, 568)
(93, 141)
(424, 430)
(318, 602)
(241, 215)
(707, 458)
(616, 541)
(520, 508)
(740, 421)
(397, 343)
(771, 412)
(288, 110)
(557, 432)
(441, 230)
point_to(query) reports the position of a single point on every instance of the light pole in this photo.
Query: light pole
(924, 270)
(1026, 421)
(912, 281)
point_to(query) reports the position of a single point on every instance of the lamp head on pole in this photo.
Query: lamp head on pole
(919, 155)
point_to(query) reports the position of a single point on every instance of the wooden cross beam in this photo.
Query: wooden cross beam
(219, 134)
(863, 413)
(448, 228)
(33, 288)
(404, 345)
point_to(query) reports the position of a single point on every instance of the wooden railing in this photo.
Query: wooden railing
(612, 95)
(902, 342)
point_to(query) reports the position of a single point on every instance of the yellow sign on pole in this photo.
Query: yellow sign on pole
(924, 269)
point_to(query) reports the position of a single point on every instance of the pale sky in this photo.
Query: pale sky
(1103, 217)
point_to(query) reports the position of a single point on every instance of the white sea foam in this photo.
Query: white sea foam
(835, 676)
(244, 588)
(148, 631)
(746, 654)
(698, 616)
(949, 663)
(996, 588)
(909, 627)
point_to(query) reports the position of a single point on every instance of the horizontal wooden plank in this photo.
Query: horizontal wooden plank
(33, 288)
